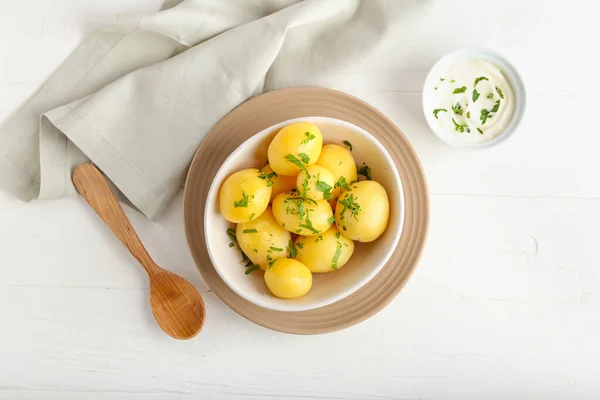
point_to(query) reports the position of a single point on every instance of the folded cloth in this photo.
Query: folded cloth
(137, 97)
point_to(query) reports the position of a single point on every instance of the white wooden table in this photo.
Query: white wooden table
(504, 304)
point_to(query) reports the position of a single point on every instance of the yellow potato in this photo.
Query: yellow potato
(339, 161)
(296, 144)
(362, 212)
(315, 183)
(244, 196)
(303, 216)
(280, 183)
(287, 278)
(327, 252)
(263, 239)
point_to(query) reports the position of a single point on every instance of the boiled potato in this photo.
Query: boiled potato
(327, 252)
(244, 196)
(339, 161)
(303, 216)
(287, 278)
(295, 145)
(362, 212)
(280, 183)
(263, 239)
(315, 183)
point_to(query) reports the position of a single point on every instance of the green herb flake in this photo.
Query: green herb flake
(490, 95)
(437, 111)
(292, 248)
(325, 188)
(460, 90)
(347, 143)
(249, 231)
(342, 183)
(496, 106)
(442, 79)
(243, 202)
(452, 81)
(271, 264)
(500, 92)
(255, 250)
(300, 245)
(480, 131)
(481, 78)
(251, 269)
(350, 204)
(308, 138)
(475, 95)
(297, 162)
(231, 234)
(457, 109)
(468, 114)
(252, 216)
(318, 239)
(365, 171)
(277, 249)
(304, 157)
(336, 256)
(462, 128)
(231, 245)
(337, 235)
(331, 220)
(344, 227)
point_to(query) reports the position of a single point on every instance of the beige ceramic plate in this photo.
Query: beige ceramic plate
(267, 110)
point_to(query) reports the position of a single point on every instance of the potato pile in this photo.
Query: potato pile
(301, 213)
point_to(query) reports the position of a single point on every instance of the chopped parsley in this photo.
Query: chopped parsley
(297, 162)
(349, 203)
(347, 143)
(496, 106)
(337, 235)
(452, 81)
(249, 231)
(318, 239)
(457, 109)
(252, 216)
(336, 256)
(256, 251)
(267, 177)
(468, 114)
(300, 245)
(490, 95)
(243, 202)
(231, 245)
(304, 157)
(442, 79)
(365, 171)
(308, 138)
(480, 131)
(460, 90)
(325, 188)
(342, 183)
(331, 220)
(437, 111)
(461, 127)
(475, 95)
(277, 249)
(499, 92)
(481, 78)
(292, 248)
(487, 114)
(251, 268)
(231, 234)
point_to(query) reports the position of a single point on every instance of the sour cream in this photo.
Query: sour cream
(471, 101)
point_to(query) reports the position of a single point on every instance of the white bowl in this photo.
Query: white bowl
(512, 76)
(368, 258)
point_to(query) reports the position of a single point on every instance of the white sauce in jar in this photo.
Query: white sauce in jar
(471, 101)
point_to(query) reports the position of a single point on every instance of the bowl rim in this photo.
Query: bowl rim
(513, 76)
(293, 307)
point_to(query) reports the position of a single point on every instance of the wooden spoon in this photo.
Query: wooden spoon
(177, 306)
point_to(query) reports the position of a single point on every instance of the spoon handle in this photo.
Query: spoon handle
(92, 185)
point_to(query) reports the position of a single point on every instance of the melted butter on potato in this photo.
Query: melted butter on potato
(362, 212)
(280, 183)
(263, 240)
(327, 252)
(244, 196)
(315, 182)
(298, 143)
(302, 216)
(339, 161)
(288, 278)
